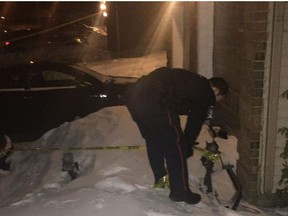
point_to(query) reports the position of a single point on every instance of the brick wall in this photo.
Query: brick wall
(240, 43)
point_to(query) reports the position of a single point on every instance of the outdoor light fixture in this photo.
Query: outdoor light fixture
(103, 8)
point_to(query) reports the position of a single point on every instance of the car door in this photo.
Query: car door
(59, 95)
(14, 100)
(93, 94)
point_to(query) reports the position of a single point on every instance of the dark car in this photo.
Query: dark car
(42, 95)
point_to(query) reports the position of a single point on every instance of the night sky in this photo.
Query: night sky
(127, 22)
(44, 13)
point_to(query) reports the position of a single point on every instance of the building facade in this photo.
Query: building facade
(246, 43)
(249, 49)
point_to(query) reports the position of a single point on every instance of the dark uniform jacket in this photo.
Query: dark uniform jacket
(176, 90)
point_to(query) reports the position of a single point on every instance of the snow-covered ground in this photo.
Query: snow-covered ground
(111, 181)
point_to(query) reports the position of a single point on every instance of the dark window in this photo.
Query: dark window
(51, 78)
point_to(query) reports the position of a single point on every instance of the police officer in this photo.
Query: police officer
(155, 102)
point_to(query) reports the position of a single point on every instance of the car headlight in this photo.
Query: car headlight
(103, 96)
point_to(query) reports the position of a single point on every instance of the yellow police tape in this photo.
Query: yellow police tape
(82, 148)
(206, 153)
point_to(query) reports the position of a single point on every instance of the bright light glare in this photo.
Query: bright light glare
(31, 62)
(105, 14)
(103, 6)
(160, 26)
(79, 40)
(103, 96)
(7, 43)
(2, 17)
(5, 31)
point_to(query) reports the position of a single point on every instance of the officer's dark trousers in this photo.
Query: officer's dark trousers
(163, 135)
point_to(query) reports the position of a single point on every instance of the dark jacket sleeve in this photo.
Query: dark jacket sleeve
(197, 116)
(193, 126)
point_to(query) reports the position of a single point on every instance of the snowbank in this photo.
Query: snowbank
(111, 182)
